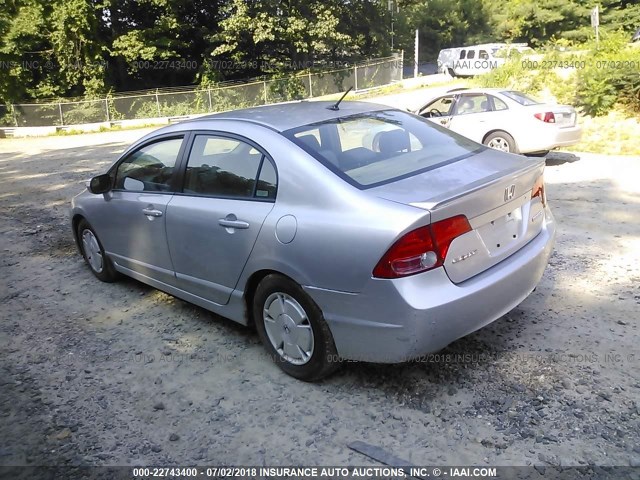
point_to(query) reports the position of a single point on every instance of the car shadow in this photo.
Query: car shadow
(559, 158)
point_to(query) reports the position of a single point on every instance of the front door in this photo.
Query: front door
(134, 231)
(212, 225)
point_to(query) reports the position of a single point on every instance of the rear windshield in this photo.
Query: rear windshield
(521, 98)
(375, 148)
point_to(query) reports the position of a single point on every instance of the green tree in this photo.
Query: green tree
(538, 22)
(22, 43)
(50, 49)
(441, 24)
(77, 51)
(159, 42)
(280, 35)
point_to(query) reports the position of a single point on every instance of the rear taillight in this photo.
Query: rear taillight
(421, 249)
(538, 191)
(546, 117)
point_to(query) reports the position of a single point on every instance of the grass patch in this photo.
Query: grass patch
(614, 134)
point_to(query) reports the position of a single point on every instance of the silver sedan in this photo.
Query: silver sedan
(351, 231)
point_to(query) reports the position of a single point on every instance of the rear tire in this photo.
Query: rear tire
(93, 253)
(501, 141)
(293, 330)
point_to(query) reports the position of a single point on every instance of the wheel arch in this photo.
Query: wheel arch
(250, 289)
(75, 221)
(502, 130)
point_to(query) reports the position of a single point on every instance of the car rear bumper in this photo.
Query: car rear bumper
(393, 321)
(551, 138)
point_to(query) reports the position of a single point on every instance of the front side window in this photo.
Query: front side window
(439, 108)
(375, 148)
(227, 167)
(149, 169)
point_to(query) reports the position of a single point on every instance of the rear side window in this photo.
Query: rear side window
(498, 104)
(149, 169)
(463, 54)
(519, 97)
(267, 181)
(227, 167)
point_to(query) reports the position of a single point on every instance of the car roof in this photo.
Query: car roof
(478, 90)
(284, 116)
(473, 91)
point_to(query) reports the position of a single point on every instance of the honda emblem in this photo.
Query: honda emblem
(509, 192)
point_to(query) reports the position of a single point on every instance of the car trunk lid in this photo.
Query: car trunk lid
(565, 116)
(493, 190)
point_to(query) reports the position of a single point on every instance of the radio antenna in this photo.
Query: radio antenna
(336, 106)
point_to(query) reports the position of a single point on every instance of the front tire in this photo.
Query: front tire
(501, 141)
(93, 253)
(293, 330)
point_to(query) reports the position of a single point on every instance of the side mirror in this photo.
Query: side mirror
(100, 184)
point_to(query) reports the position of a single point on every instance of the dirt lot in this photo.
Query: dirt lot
(123, 374)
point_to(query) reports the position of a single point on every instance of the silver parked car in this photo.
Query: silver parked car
(334, 244)
(505, 119)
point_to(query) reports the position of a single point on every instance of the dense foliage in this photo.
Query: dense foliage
(53, 48)
(595, 78)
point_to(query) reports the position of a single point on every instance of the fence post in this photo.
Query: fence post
(61, 116)
(355, 76)
(210, 102)
(310, 89)
(106, 108)
(416, 55)
(158, 102)
(264, 87)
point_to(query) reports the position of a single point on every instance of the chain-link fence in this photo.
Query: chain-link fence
(189, 101)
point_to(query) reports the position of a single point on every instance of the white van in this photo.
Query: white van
(477, 59)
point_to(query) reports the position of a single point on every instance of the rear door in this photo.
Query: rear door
(229, 188)
(133, 232)
(472, 116)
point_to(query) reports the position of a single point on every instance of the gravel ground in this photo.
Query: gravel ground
(122, 374)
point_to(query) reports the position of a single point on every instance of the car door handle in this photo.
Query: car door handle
(152, 212)
(228, 223)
